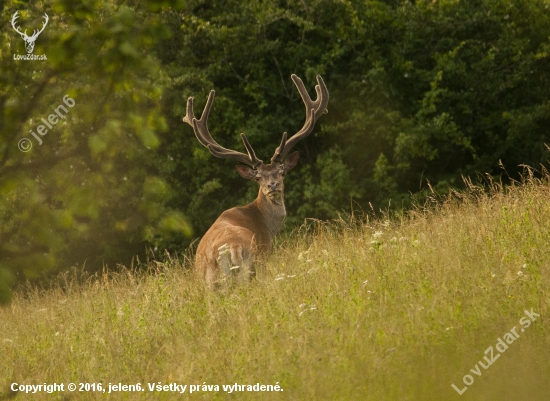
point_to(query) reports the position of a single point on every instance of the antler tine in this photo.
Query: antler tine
(200, 128)
(277, 156)
(36, 33)
(251, 153)
(320, 104)
(314, 109)
(14, 21)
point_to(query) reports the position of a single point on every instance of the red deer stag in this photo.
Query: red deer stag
(241, 234)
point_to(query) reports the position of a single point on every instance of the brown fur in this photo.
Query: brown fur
(247, 231)
(241, 235)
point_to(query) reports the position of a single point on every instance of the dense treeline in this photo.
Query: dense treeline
(427, 90)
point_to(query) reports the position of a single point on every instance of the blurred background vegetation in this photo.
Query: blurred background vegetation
(421, 91)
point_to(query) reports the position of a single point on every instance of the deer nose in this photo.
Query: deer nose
(273, 186)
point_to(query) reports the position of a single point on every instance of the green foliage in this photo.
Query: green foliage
(86, 191)
(419, 91)
(5, 282)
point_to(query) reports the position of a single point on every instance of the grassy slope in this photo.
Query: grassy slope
(386, 310)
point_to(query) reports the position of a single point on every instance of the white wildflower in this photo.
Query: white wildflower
(303, 255)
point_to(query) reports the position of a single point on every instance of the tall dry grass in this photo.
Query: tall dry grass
(393, 308)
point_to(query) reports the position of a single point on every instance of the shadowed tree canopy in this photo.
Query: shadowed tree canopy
(86, 191)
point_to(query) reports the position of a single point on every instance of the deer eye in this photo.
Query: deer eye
(282, 173)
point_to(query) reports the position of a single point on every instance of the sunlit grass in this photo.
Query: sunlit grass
(387, 309)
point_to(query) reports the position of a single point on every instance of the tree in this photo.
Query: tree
(418, 90)
(86, 190)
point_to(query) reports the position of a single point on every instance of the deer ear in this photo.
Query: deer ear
(291, 160)
(246, 172)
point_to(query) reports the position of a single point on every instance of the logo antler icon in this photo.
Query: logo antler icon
(29, 40)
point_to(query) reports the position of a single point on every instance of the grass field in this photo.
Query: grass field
(394, 308)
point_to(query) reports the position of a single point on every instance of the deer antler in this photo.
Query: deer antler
(203, 135)
(314, 109)
(24, 34)
(13, 21)
(35, 33)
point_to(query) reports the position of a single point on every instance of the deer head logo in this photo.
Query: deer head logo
(29, 40)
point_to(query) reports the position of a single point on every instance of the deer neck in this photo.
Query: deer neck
(273, 212)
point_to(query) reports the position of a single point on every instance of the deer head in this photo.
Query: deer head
(269, 176)
(29, 40)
